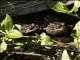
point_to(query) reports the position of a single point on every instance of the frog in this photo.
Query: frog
(55, 28)
(28, 28)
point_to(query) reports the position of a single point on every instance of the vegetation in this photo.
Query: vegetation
(10, 32)
(61, 7)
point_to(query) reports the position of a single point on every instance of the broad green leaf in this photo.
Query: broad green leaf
(7, 23)
(77, 41)
(75, 7)
(18, 26)
(58, 6)
(76, 34)
(77, 28)
(14, 34)
(45, 39)
(3, 46)
(61, 7)
(65, 55)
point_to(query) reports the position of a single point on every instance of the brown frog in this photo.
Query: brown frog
(55, 28)
(28, 28)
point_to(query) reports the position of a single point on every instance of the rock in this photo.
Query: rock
(21, 7)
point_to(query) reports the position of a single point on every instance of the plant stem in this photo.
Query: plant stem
(30, 37)
(75, 15)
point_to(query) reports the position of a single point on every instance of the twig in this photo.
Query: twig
(27, 53)
(30, 37)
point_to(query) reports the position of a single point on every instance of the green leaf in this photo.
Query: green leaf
(61, 7)
(77, 42)
(76, 30)
(3, 46)
(7, 23)
(76, 34)
(65, 55)
(18, 26)
(58, 6)
(14, 34)
(75, 7)
(45, 39)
